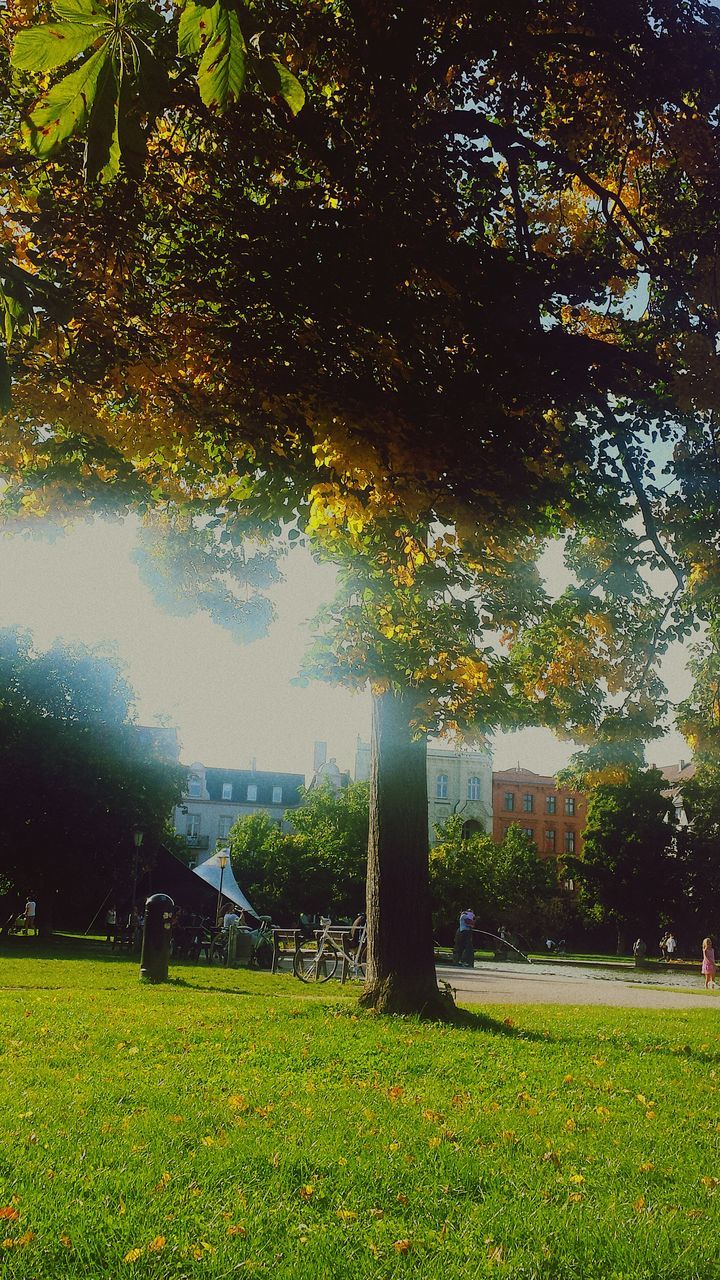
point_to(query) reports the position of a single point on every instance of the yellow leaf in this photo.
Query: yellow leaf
(132, 1255)
(236, 1230)
(157, 1244)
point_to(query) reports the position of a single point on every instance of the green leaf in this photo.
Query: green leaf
(198, 23)
(278, 82)
(154, 81)
(81, 10)
(133, 140)
(53, 44)
(65, 109)
(102, 148)
(221, 73)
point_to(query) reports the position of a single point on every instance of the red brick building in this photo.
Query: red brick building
(554, 817)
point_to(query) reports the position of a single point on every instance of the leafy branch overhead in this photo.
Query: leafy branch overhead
(112, 96)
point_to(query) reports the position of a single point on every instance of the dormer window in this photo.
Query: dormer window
(277, 795)
(227, 790)
(252, 791)
(195, 787)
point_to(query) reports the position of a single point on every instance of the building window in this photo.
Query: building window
(569, 806)
(551, 804)
(192, 827)
(441, 786)
(252, 791)
(509, 802)
(224, 824)
(570, 885)
(473, 789)
(550, 841)
(529, 833)
(277, 795)
(195, 787)
(227, 791)
(569, 841)
(528, 802)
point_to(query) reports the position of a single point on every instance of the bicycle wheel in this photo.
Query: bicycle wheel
(315, 966)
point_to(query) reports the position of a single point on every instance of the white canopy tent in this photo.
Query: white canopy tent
(212, 873)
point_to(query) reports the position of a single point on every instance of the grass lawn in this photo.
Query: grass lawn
(233, 1124)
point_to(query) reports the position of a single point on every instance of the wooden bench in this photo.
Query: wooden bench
(281, 938)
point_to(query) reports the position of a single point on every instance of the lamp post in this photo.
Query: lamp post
(223, 860)
(137, 841)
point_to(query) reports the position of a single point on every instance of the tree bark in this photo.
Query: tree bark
(401, 962)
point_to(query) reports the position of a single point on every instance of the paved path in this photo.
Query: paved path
(490, 983)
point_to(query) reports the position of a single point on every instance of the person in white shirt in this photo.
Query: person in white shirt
(230, 917)
(464, 948)
(30, 910)
(670, 946)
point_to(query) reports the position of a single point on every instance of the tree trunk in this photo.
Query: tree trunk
(401, 962)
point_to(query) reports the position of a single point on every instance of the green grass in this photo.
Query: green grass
(233, 1124)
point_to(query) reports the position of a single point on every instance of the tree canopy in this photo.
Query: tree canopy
(317, 868)
(76, 779)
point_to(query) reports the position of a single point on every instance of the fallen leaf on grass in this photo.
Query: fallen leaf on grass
(157, 1244)
(132, 1255)
(9, 1213)
(236, 1230)
(402, 1246)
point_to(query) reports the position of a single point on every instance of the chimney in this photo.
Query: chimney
(319, 755)
(253, 765)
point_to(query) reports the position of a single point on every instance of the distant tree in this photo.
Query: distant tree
(627, 873)
(320, 866)
(75, 779)
(504, 883)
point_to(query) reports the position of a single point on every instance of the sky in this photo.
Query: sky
(231, 703)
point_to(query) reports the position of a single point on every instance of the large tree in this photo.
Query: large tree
(76, 780)
(628, 872)
(432, 306)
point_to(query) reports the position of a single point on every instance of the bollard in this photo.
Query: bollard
(156, 938)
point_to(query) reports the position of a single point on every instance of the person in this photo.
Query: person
(708, 963)
(464, 948)
(110, 923)
(670, 946)
(230, 917)
(30, 912)
(639, 952)
(663, 946)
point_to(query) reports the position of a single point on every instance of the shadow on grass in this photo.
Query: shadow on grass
(200, 986)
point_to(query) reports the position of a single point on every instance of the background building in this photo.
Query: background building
(554, 817)
(459, 780)
(216, 798)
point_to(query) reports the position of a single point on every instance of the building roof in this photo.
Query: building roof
(675, 773)
(159, 741)
(264, 781)
(523, 775)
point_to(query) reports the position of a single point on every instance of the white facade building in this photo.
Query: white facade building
(215, 798)
(459, 781)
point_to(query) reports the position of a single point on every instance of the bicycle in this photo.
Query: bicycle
(321, 964)
(318, 965)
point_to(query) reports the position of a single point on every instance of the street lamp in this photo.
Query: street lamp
(137, 841)
(223, 860)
